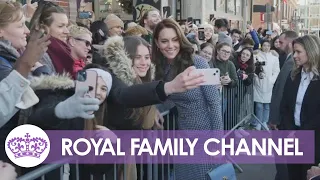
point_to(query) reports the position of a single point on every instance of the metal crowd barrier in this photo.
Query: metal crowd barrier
(239, 110)
(239, 105)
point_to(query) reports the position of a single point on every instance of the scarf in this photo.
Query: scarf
(242, 65)
(78, 66)
(60, 54)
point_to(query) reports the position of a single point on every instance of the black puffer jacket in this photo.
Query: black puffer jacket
(52, 90)
(124, 95)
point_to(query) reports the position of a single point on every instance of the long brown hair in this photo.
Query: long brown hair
(43, 15)
(185, 57)
(140, 115)
(131, 44)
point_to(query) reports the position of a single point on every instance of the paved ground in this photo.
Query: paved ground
(257, 172)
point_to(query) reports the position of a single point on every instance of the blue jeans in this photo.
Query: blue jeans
(262, 112)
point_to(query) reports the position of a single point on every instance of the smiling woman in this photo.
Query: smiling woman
(52, 19)
(80, 40)
(172, 54)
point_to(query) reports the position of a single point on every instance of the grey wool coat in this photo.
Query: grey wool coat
(198, 109)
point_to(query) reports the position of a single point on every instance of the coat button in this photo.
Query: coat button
(22, 84)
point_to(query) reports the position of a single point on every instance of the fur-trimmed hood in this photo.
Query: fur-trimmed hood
(119, 62)
(52, 82)
(7, 51)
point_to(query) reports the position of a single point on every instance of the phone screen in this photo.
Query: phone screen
(167, 10)
(190, 19)
(85, 15)
(201, 34)
(211, 16)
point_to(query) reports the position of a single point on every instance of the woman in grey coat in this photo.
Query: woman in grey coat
(198, 109)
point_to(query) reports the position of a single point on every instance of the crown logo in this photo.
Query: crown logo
(27, 147)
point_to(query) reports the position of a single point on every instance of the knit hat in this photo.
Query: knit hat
(136, 30)
(113, 21)
(223, 38)
(106, 77)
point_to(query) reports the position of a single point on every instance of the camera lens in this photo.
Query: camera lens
(214, 74)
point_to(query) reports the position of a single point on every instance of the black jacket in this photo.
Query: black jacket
(124, 95)
(309, 116)
(52, 90)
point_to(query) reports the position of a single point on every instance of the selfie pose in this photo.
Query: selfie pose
(172, 54)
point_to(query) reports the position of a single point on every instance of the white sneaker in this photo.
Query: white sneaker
(266, 126)
(258, 127)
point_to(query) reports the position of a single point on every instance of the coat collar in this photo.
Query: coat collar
(7, 51)
(52, 82)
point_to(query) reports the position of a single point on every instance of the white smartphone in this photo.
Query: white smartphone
(211, 76)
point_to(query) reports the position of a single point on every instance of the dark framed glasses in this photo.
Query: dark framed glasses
(88, 43)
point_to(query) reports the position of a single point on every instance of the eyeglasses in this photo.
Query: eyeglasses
(88, 43)
(225, 52)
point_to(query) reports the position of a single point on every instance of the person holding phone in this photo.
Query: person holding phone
(65, 106)
(203, 110)
(17, 58)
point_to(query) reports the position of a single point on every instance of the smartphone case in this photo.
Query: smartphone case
(211, 76)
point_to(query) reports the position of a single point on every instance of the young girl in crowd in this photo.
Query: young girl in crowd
(227, 69)
(300, 105)
(198, 109)
(129, 60)
(55, 89)
(207, 52)
(245, 66)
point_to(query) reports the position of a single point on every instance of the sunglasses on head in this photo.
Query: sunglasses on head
(88, 43)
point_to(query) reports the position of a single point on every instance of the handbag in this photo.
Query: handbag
(223, 172)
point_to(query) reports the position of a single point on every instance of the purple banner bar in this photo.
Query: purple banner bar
(182, 147)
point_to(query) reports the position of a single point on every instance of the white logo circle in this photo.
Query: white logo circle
(27, 146)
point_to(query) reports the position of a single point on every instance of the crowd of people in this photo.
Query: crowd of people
(146, 68)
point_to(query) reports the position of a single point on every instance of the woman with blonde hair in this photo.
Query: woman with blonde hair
(300, 105)
(210, 37)
(79, 40)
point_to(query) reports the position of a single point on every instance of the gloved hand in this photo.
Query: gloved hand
(77, 106)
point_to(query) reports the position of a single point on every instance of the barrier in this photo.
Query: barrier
(239, 111)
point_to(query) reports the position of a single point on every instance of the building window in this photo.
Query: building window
(210, 5)
(239, 7)
(221, 5)
(231, 6)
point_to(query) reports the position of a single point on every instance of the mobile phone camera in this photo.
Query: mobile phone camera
(82, 76)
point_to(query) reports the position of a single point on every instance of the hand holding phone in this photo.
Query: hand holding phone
(201, 34)
(190, 20)
(87, 79)
(211, 76)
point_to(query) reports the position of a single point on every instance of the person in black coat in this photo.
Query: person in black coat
(300, 106)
